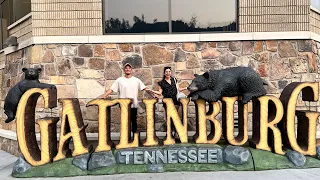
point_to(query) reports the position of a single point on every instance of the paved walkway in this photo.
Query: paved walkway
(7, 161)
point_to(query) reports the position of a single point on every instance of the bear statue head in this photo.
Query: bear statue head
(31, 73)
(199, 83)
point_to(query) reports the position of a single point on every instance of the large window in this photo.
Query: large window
(169, 16)
(10, 12)
(315, 4)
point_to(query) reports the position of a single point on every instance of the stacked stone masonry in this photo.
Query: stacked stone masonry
(85, 71)
(274, 15)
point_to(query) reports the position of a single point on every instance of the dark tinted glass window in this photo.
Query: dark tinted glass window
(203, 15)
(10, 12)
(136, 16)
(153, 16)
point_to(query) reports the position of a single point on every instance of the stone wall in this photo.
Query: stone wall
(274, 15)
(84, 71)
(10, 146)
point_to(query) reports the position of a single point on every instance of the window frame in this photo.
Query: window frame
(105, 2)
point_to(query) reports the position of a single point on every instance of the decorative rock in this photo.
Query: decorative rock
(155, 168)
(258, 46)
(227, 59)
(305, 45)
(223, 44)
(243, 61)
(210, 53)
(192, 61)
(247, 48)
(35, 54)
(235, 45)
(101, 159)
(236, 154)
(272, 46)
(113, 55)
(50, 70)
(126, 47)
(190, 47)
(172, 46)
(154, 55)
(180, 56)
(279, 69)
(69, 51)
(78, 61)
(210, 65)
(263, 70)
(96, 63)
(48, 57)
(212, 44)
(263, 57)
(81, 161)
(145, 75)
(298, 65)
(89, 88)
(135, 60)
(181, 66)
(64, 66)
(89, 73)
(99, 51)
(201, 46)
(66, 91)
(85, 51)
(20, 166)
(286, 49)
(187, 74)
(312, 58)
(157, 71)
(296, 158)
(318, 152)
(110, 46)
(282, 84)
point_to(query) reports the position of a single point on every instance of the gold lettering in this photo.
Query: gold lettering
(151, 140)
(26, 131)
(216, 129)
(104, 119)
(267, 112)
(72, 126)
(172, 114)
(228, 121)
(289, 96)
(125, 128)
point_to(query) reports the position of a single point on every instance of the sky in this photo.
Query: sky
(315, 3)
(209, 12)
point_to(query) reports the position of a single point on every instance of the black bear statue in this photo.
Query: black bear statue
(31, 80)
(235, 81)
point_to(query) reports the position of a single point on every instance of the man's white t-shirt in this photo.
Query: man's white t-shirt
(128, 88)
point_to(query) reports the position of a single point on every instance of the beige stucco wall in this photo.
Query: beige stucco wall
(274, 15)
(314, 21)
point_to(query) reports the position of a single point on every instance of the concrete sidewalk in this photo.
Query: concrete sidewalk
(7, 161)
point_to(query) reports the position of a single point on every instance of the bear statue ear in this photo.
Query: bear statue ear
(206, 75)
(24, 69)
(39, 70)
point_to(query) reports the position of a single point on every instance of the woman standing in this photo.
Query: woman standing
(168, 89)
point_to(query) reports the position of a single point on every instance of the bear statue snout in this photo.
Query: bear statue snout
(192, 88)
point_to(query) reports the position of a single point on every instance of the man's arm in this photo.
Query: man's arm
(108, 92)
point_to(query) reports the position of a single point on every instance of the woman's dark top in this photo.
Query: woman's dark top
(169, 90)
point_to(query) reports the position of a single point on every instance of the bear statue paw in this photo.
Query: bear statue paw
(9, 119)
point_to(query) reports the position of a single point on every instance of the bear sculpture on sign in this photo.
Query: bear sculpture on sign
(31, 80)
(230, 82)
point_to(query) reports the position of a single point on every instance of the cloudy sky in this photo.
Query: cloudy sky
(208, 12)
(315, 3)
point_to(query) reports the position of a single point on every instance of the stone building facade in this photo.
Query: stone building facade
(278, 39)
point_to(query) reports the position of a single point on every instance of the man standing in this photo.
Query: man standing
(128, 86)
